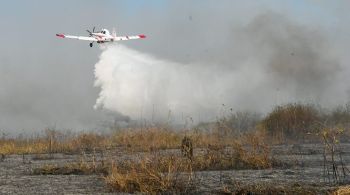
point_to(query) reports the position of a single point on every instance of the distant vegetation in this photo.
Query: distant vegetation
(303, 122)
(291, 122)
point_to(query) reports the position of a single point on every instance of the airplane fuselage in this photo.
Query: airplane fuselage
(101, 38)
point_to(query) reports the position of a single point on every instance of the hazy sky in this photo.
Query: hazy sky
(46, 81)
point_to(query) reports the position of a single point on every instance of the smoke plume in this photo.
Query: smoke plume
(269, 61)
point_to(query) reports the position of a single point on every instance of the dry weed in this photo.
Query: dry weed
(147, 139)
(342, 190)
(151, 175)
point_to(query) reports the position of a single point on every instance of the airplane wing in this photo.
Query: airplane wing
(77, 37)
(124, 38)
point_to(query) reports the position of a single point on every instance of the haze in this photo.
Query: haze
(198, 55)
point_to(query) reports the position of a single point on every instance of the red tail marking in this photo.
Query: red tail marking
(142, 36)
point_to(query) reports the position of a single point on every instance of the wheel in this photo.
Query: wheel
(90, 44)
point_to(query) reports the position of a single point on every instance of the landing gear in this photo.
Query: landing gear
(90, 44)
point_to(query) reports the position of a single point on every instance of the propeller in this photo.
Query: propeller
(93, 31)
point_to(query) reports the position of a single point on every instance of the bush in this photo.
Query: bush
(291, 121)
(339, 116)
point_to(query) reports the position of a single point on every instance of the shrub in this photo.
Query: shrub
(340, 116)
(291, 121)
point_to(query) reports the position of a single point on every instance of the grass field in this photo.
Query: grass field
(211, 158)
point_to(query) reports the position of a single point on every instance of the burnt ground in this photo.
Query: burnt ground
(16, 178)
(304, 170)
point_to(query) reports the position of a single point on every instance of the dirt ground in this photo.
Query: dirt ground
(305, 168)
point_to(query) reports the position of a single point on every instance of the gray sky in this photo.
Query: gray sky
(45, 81)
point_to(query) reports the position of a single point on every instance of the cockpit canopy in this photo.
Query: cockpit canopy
(105, 31)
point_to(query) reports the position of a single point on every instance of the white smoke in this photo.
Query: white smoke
(272, 61)
(141, 86)
(138, 85)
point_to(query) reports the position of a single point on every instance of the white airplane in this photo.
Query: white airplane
(101, 36)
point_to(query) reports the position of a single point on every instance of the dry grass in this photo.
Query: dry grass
(14, 146)
(249, 151)
(52, 144)
(135, 139)
(147, 139)
(159, 171)
(151, 175)
(151, 139)
(342, 190)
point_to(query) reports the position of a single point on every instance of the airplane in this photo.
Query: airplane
(102, 36)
